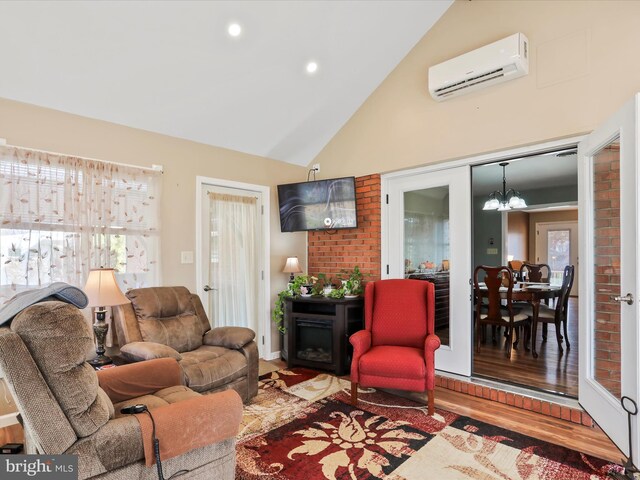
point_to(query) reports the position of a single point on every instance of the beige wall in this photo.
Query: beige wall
(40, 128)
(584, 65)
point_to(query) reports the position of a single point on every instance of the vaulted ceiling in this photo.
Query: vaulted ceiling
(172, 67)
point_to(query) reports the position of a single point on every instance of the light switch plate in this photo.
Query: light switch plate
(186, 257)
(490, 251)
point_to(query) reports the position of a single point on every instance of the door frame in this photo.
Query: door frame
(529, 150)
(263, 336)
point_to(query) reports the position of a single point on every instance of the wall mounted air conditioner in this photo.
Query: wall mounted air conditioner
(497, 62)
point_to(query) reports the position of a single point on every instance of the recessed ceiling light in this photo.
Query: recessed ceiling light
(312, 67)
(234, 29)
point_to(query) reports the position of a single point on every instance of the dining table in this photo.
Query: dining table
(533, 293)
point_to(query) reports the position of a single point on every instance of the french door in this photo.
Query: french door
(427, 225)
(608, 332)
(231, 258)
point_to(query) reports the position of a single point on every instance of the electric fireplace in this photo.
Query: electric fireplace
(318, 331)
(314, 340)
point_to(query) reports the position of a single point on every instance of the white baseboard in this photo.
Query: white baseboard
(9, 419)
(273, 356)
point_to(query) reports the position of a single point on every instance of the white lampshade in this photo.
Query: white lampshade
(491, 204)
(292, 266)
(517, 202)
(102, 289)
(514, 201)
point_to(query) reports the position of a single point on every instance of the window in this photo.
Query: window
(60, 216)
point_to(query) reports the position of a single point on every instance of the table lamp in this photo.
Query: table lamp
(102, 291)
(292, 266)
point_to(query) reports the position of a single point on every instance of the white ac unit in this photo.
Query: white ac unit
(497, 62)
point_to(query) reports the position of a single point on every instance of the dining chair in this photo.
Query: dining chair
(493, 311)
(556, 315)
(535, 272)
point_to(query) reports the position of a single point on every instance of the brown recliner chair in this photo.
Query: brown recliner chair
(67, 409)
(171, 322)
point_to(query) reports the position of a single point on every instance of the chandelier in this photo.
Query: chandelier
(505, 199)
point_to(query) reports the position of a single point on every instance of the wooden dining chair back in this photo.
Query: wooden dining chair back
(557, 315)
(535, 272)
(563, 301)
(493, 312)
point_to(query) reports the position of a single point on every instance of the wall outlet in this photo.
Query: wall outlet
(316, 167)
(186, 257)
(492, 251)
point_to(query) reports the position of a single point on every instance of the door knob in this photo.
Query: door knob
(207, 288)
(628, 298)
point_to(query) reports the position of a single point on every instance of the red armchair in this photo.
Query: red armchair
(396, 349)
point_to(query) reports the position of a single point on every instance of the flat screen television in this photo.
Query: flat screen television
(318, 205)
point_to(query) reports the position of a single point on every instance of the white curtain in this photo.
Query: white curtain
(233, 272)
(60, 216)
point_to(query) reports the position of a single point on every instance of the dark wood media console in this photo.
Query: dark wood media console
(318, 331)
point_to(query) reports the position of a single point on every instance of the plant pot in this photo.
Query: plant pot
(306, 290)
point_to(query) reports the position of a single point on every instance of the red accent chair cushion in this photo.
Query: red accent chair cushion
(391, 361)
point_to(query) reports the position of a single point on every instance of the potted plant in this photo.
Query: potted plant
(353, 286)
(301, 285)
(323, 286)
(335, 293)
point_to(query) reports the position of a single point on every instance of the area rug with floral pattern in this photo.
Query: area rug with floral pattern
(302, 426)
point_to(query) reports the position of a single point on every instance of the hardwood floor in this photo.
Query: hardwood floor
(550, 371)
(589, 440)
(11, 434)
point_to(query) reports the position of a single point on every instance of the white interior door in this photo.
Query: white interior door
(427, 228)
(608, 332)
(232, 259)
(557, 246)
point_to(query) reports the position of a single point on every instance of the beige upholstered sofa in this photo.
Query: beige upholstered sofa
(171, 322)
(65, 410)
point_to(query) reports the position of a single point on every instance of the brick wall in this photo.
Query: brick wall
(331, 251)
(524, 402)
(606, 190)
